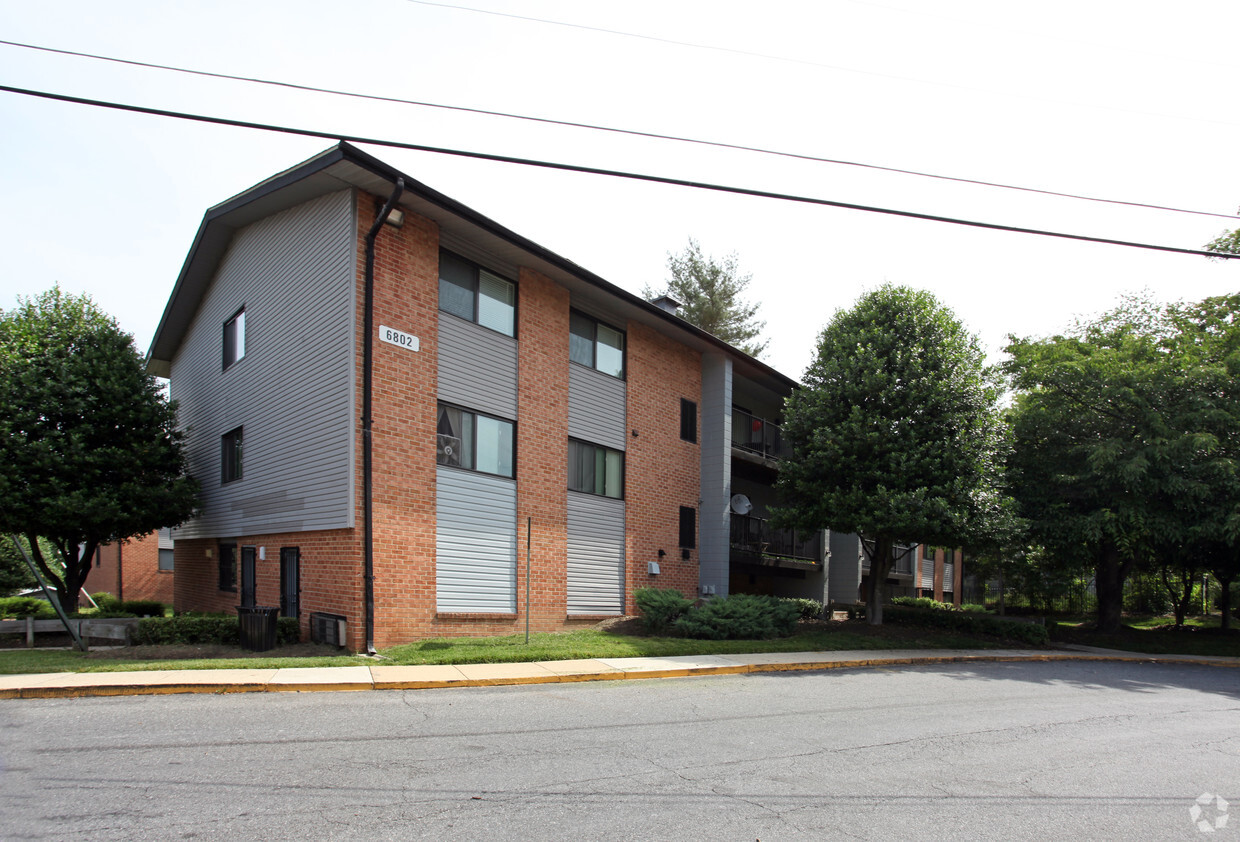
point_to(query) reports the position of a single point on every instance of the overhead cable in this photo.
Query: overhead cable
(592, 127)
(552, 165)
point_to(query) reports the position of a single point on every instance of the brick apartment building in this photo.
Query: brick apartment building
(139, 569)
(471, 433)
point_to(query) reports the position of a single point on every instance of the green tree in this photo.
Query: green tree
(89, 450)
(14, 574)
(710, 293)
(896, 433)
(1123, 456)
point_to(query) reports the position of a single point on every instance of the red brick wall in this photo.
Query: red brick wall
(662, 471)
(405, 389)
(330, 561)
(542, 449)
(131, 571)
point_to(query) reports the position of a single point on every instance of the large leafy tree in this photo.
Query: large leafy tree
(711, 292)
(1125, 445)
(89, 450)
(896, 433)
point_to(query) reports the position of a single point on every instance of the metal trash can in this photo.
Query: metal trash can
(258, 626)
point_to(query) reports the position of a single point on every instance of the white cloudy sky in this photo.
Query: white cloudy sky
(1124, 100)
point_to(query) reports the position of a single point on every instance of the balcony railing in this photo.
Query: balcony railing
(756, 536)
(903, 559)
(757, 435)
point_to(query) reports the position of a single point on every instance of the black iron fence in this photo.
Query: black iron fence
(756, 535)
(759, 436)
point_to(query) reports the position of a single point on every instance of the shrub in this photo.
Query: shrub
(143, 607)
(106, 602)
(740, 617)
(204, 629)
(969, 623)
(25, 606)
(660, 608)
(810, 609)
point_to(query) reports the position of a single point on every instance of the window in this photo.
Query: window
(595, 470)
(234, 338)
(473, 441)
(475, 294)
(228, 567)
(927, 552)
(165, 560)
(595, 344)
(230, 456)
(688, 420)
(688, 527)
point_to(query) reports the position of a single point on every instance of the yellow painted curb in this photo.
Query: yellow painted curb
(387, 678)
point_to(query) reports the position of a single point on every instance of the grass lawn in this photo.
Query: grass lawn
(597, 642)
(1155, 635)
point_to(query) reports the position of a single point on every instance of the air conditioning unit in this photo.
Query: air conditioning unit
(331, 629)
(448, 450)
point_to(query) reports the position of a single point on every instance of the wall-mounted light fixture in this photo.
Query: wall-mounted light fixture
(395, 218)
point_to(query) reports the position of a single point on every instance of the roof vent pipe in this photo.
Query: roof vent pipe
(667, 304)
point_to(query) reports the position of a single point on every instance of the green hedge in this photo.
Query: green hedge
(660, 608)
(810, 609)
(16, 607)
(195, 629)
(967, 622)
(740, 617)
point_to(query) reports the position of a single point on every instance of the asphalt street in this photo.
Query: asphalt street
(957, 751)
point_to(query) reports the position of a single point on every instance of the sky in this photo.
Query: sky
(1129, 101)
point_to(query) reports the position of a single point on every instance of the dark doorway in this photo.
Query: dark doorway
(248, 554)
(290, 581)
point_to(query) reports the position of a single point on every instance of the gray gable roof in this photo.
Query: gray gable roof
(344, 166)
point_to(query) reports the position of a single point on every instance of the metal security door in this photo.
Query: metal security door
(247, 576)
(290, 581)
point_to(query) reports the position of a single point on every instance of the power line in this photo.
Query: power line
(809, 63)
(631, 132)
(552, 165)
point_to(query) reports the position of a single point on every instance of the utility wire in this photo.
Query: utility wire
(552, 165)
(808, 63)
(591, 127)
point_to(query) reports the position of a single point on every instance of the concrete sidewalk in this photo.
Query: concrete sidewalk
(383, 677)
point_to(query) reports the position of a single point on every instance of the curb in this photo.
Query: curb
(85, 685)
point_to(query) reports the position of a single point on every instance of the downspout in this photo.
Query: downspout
(368, 338)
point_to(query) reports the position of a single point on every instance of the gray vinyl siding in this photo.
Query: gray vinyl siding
(596, 408)
(292, 392)
(477, 367)
(949, 578)
(475, 542)
(595, 554)
(927, 573)
(715, 517)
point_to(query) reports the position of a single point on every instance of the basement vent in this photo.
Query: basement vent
(331, 629)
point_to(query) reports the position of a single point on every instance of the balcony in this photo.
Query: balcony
(758, 437)
(753, 539)
(903, 559)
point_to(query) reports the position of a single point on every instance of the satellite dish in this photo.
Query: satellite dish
(741, 504)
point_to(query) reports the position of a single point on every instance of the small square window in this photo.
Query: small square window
(592, 343)
(234, 338)
(688, 420)
(165, 559)
(473, 441)
(473, 293)
(595, 470)
(230, 455)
